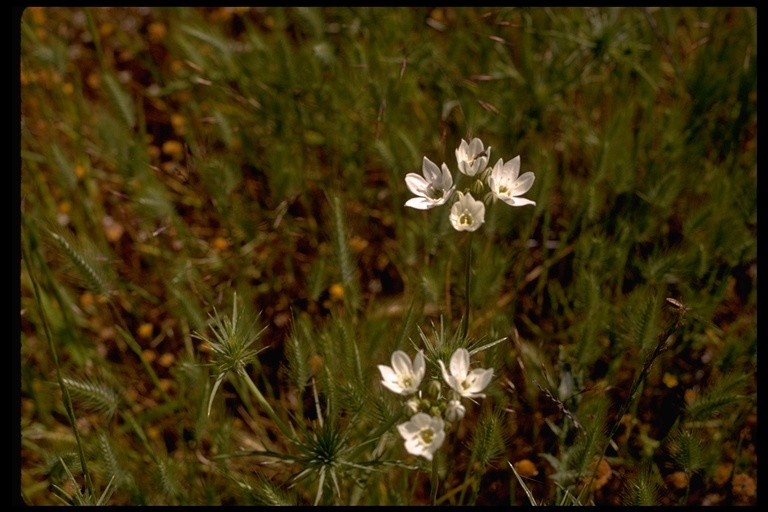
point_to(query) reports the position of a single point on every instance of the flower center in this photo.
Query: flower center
(406, 382)
(435, 193)
(503, 189)
(465, 219)
(427, 435)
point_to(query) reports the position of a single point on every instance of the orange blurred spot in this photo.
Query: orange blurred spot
(526, 468)
(93, 80)
(723, 473)
(113, 229)
(358, 244)
(602, 476)
(38, 15)
(79, 171)
(145, 330)
(148, 355)
(179, 124)
(174, 149)
(315, 362)
(153, 432)
(68, 88)
(106, 29)
(669, 380)
(166, 360)
(744, 486)
(86, 300)
(678, 480)
(219, 243)
(65, 207)
(156, 31)
(336, 291)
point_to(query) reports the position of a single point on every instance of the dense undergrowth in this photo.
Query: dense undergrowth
(191, 176)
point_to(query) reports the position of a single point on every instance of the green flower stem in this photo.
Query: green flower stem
(467, 271)
(64, 391)
(136, 348)
(376, 435)
(435, 480)
(268, 408)
(660, 347)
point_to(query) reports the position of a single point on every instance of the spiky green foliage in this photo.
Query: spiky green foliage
(643, 489)
(81, 497)
(689, 450)
(233, 339)
(346, 263)
(263, 491)
(725, 393)
(298, 352)
(94, 393)
(488, 438)
(93, 270)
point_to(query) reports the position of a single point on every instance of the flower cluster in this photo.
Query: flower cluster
(436, 187)
(430, 416)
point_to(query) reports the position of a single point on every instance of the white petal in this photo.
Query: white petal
(517, 201)
(430, 170)
(446, 180)
(460, 363)
(415, 183)
(419, 367)
(512, 168)
(401, 363)
(475, 147)
(387, 373)
(523, 184)
(480, 379)
(449, 379)
(395, 387)
(408, 429)
(420, 203)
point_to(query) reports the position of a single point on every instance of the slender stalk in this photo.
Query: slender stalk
(136, 348)
(64, 391)
(467, 272)
(434, 481)
(268, 408)
(660, 347)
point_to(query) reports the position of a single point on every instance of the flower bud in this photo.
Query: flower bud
(434, 388)
(411, 407)
(454, 411)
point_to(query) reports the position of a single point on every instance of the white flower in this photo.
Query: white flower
(467, 213)
(423, 434)
(433, 189)
(472, 158)
(465, 383)
(403, 377)
(454, 411)
(507, 186)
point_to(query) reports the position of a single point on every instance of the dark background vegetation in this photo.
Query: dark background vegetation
(192, 152)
